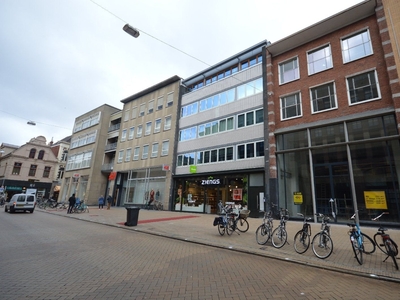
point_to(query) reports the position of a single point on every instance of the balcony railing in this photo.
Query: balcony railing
(111, 147)
(107, 167)
(114, 127)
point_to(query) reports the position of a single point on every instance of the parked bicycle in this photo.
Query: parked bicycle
(63, 205)
(322, 244)
(263, 232)
(360, 242)
(302, 237)
(279, 235)
(222, 222)
(238, 221)
(157, 205)
(80, 207)
(385, 243)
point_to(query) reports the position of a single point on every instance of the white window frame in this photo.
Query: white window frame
(298, 103)
(123, 135)
(142, 110)
(148, 128)
(160, 103)
(120, 156)
(359, 74)
(165, 148)
(139, 131)
(154, 150)
(167, 122)
(332, 85)
(294, 70)
(126, 115)
(157, 126)
(131, 135)
(150, 108)
(325, 59)
(128, 154)
(136, 153)
(145, 152)
(365, 45)
(170, 99)
(134, 112)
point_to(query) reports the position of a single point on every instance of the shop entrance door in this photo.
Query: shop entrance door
(332, 181)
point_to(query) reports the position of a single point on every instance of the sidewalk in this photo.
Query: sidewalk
(198, 228)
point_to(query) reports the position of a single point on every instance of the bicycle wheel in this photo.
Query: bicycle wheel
(279, 237)
(242, 225)
(301, 241)
(263, 233)
(231, 226)
(322, 245)
(357, 251)
(379, 243)
(368, 244)
(221, 229)
(392, 251)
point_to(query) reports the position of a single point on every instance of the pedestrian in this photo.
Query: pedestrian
(72, 201)
(101, 202)
(109, 201)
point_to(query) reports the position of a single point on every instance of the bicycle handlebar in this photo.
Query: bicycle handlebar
(384, 213)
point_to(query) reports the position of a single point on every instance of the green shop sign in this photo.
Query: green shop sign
(193, 169)
(13, 188)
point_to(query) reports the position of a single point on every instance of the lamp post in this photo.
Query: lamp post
(4, 173)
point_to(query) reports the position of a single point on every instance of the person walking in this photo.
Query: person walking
(72, 201)
(101, 202)
(109, 201)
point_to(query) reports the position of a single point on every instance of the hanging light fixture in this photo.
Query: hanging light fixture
(131, 31)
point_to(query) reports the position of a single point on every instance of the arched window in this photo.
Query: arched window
(41, 154)
(32, 153)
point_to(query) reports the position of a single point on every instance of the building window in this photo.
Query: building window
(250, 150)
(148, 128)
(157, 125)
(128, 154)
(123, 136)
(17, 168)
(142, 109)
(136, 153)
(188, 134)
(32, 170)
(323, 97)
(289, 71)
(151, 107)
(154, 150)
(319, 60)
(131, 133)
(167, 123)
(363, 87)
(160, 103)
(291, 106)
(165, 148)
(126, 115)
(356, 46)
(186, 159)
(46, 172)
(41, 154)
(120, 156)
(170, 99)
(32, 153)
(145, 153)
(134, 113)
(139, 131)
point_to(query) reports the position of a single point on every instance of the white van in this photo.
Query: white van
(21, 202)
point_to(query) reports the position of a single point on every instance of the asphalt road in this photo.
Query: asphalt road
(44, 256)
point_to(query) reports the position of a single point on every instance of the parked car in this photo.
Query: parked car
(21, 202)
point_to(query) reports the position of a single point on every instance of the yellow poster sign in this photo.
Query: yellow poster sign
(297, 198)
(375, 200)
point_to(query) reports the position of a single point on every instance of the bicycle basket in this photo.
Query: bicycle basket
(244, 213)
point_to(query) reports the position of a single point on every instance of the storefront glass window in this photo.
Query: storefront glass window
(292, 140)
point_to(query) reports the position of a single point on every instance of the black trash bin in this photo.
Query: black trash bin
(132, 215)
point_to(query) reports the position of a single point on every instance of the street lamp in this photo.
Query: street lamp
(131, 31)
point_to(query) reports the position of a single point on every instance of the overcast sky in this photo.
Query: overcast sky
(62, 58)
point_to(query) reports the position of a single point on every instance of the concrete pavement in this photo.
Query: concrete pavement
(198, 228)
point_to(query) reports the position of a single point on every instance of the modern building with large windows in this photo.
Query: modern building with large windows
(334, 115)
(220, 151)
